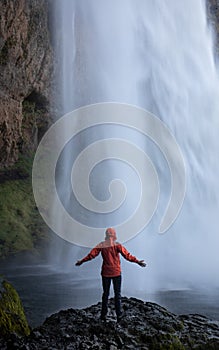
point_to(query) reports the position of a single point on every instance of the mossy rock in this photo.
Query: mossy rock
(166, 342)
(12, 316)
(21, 226)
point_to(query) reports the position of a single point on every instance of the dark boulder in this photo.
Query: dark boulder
(144, 325)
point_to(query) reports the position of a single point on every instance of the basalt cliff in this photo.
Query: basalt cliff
(26, 67)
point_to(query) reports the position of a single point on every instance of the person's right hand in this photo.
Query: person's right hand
(78, 263)
(141, 263)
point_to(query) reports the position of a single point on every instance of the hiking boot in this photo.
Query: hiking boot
(119, 317)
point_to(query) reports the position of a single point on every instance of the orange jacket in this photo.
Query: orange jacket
(110, 253)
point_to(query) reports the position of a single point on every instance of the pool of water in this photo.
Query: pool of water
(45, 291)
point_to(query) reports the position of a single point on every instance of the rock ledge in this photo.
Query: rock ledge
(144, 325)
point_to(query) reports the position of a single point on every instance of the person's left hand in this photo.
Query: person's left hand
(142, 263)
(78, 263)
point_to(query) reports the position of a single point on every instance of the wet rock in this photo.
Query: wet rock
(145, 326)
(26, 65)
(212, 9)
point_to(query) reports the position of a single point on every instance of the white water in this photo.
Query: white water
(157, 55)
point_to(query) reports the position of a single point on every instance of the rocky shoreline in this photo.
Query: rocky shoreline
(144, 325)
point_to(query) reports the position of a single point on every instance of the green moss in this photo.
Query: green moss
(164, 341)
(35, 121)
(21, 226)
(29, 125)
(12, 316)
(34, 105)
(29, 108)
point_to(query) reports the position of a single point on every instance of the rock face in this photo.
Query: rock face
(26, 71)
(12, 317)
(212, 7)
(25, 75)
(144, 325)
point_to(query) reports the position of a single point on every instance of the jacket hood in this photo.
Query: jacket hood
(111, 234)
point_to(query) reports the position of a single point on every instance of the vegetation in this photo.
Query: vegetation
(12, 317)
(21, 226)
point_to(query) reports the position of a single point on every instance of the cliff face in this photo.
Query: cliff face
(26, 68)
(212, 9)
(25, 75)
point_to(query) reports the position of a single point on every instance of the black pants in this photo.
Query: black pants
(106, 281)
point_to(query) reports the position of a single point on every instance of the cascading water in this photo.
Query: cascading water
(157, 55)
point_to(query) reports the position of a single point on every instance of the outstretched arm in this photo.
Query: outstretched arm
(130, 257)
(93, 253)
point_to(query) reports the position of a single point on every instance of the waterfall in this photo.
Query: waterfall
(157, 55)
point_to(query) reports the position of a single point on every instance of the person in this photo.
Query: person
(111, 268)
